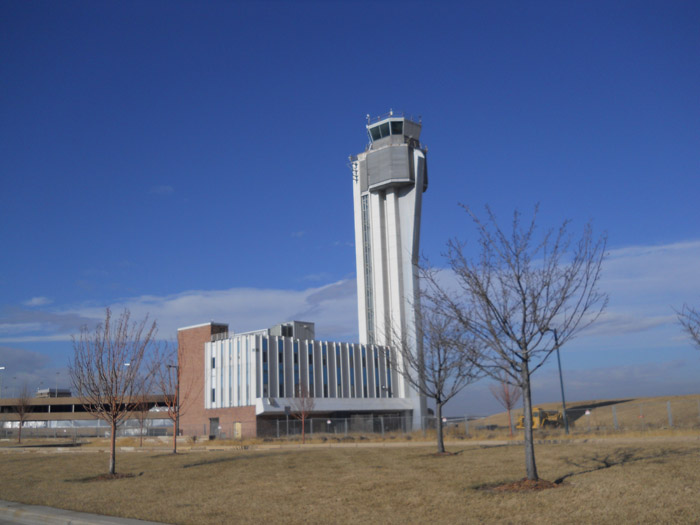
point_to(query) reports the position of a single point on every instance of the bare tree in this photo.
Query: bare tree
(449, 359)
(689, 317)
(23, 408)
(169, 383)
(523, 297)
(106, 369)
(507, 395)
(302, 404)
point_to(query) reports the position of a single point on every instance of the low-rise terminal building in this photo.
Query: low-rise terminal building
(246, 383)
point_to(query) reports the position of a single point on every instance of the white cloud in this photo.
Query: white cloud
(162, 190)
(37, 301)
(332, 307)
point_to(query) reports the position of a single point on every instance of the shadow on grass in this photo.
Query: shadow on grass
(47, 445)
(577, 412)
(618, 457)
(231, 459)
(105, 477)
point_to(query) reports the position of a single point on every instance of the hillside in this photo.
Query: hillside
(642, 413)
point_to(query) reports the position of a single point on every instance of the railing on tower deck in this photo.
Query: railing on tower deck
(393, 114)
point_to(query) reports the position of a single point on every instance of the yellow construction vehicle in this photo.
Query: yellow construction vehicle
(543, 419)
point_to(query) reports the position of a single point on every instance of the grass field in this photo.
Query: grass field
(652, 480)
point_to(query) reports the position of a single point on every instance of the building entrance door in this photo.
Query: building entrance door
(213, 427)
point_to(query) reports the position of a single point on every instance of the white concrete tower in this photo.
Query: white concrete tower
(389, 179)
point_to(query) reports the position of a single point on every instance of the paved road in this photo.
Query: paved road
(12, 513)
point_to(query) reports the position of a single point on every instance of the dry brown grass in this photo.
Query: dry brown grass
(628, 481)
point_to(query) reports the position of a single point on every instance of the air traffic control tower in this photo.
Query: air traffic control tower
(389, 179)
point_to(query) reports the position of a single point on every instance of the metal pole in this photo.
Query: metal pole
(614, 411)
(670, 417)
(177, 403)
(177, 398)
(561, 384)
(1, 369)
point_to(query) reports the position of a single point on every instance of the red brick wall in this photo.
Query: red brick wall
(194, 418)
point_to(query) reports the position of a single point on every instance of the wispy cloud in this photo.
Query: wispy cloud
(26, 367)
(317, 277)
(37, 301)
(162, 190)
(332, 307)
(298, 234)
(344, 244)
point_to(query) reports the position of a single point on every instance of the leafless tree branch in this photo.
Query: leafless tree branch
(523, 296)
(449, 357)
(107, 365)
(689, 317)
(302, 405)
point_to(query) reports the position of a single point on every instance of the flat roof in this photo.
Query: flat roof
(202, 324)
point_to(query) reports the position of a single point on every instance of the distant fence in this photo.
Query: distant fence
(636, 415)
(84, 429)
(596, 417)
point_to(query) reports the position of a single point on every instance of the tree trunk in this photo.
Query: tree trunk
(530, 465)
(510, 424)
(440, 441)
(174, 436)
(113, 447)
(303, 430)
(19, 434)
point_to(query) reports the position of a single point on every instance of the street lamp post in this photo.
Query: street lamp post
(177, 399)
(1, 369)
(561, 383)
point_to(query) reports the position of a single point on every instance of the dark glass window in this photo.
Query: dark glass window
(296, 366)
(280, 368)
(397, 127)
(376, 373)
(213, 362)
(364, 372)
(384, 129)
(213, 395)
(339, 392)
(375, 133)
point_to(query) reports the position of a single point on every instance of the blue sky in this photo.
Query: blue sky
(190, 160)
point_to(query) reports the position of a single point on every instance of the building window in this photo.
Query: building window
(376, 373)
(280, 369)
(339, 390)
(213, 362)
(213, 395)
(266, 377)
(296, 366)
(312, 390)
(351, 358)
(388, 375)
(324, 360)
(367, 256)
(364, 372)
